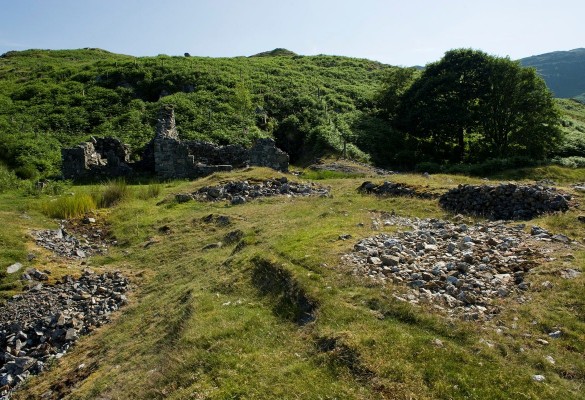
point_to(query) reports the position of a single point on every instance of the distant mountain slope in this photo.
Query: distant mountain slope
(563, 71)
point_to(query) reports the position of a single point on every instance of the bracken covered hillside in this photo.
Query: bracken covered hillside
(50, 99)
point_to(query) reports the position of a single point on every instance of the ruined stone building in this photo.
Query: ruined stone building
(99, 158)
(167, 156)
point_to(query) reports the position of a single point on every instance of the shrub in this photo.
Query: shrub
(27, 172)
(8, 180)
(69, 206)
(571, 162)
(427, 166)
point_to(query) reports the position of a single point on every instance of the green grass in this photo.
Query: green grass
(68, 206)
(208, 324)
(111, 193)
(557, 173)
(325, 174)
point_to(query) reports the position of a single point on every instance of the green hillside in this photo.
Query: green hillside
(50, 99)
(311, 105)
(563, 71)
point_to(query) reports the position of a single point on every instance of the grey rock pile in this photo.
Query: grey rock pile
(63, 244)
(45, 321)
(505, 201)
(393, 189)
(240, 192)
(458, 268)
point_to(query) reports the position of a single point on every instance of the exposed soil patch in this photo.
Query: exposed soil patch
(340, 354)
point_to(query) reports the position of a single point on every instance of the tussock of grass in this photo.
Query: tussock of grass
(113, 193)
(69, 206)
(149, 192)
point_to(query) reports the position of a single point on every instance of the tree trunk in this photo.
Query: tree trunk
(460, 152)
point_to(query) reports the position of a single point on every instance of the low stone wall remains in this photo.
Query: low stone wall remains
(167, 156)
(505, 201)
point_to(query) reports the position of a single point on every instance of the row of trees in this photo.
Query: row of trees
(471, 106)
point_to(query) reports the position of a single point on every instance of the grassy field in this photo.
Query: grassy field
(229, 323)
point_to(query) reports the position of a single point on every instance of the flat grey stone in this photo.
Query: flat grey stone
(13, 268)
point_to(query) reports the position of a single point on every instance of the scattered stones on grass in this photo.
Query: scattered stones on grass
(457, 267)
(395, 189)
(240, 192)
(183, 197)
(88, 239)
(505, 201)
(45, 321)
(570, 273)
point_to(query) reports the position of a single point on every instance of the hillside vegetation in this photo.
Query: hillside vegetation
(311, 105)
(50, 99)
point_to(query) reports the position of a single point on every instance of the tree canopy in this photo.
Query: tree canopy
(470, 106)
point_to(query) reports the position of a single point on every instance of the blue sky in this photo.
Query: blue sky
(405, 32)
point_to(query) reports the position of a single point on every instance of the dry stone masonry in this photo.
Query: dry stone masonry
(394, 189)
(45, 321)
(505, 201)
(239, 192)
(167, 156)
(456, 267)
(99, 158)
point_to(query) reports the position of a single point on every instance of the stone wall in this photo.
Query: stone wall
(264, 153)
(211, 154)
(99, 158)
(505, 201)
(167, 156)
(173, 158)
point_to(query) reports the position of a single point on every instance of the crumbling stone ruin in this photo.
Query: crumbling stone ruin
(240, 192)
(394, 189)
(167, 156)
(99, 158)
(505, 201)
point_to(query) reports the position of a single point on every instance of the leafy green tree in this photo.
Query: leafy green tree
(395, 82)
(471, 100)
(517, 113)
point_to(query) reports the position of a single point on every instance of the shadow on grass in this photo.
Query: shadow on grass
(290, 301)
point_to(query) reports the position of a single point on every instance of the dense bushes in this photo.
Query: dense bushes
(66, 96)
